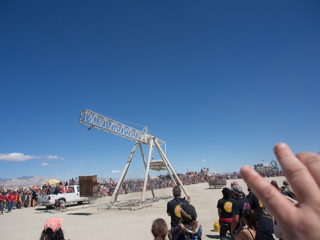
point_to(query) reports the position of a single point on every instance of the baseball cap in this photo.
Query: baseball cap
(189, 209)
(53, 223)
(237, 189)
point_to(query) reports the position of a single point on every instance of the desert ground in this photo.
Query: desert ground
(87, 222)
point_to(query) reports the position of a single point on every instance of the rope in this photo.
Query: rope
(85, 150)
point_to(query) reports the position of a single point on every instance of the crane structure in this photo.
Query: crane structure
(95, 120)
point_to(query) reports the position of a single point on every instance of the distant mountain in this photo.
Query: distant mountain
(25, 177)
(23, 182)
(4, 179)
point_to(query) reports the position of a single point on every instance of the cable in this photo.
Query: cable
(85, 148)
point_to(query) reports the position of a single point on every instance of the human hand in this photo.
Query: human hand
(300, 221)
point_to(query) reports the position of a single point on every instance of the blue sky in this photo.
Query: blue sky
(220, 81)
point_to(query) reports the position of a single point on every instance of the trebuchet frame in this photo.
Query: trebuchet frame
(95, 120)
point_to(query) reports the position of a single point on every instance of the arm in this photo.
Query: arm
(235, 222)
(240, 227)
(219, 212)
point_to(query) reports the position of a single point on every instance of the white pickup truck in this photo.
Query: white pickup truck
(64, 198)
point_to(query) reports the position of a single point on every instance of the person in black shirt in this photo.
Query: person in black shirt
(239, 205)
(265, 227)
(224, 206)
(254, 204)
(173, 207)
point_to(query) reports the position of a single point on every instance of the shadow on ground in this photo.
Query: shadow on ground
(213, 236)
(80, 214)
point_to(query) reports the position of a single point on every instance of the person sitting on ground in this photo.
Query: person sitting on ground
(189, 228)
(302, 172)
(225, 213)
(275, 184)
(239, 205)
(58, 205)
(248, 220)
(159, 229)
(173, 207)
(52, 229)
(265, 227)
(286, 190)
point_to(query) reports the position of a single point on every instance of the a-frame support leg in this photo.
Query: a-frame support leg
(147, 171)
(166, 165)
(165, 159)
(145, 165)
(123, 175)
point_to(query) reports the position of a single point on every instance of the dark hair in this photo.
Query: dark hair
(250, 216)
(226, 193)
(159, 229)
(50, 235)
(176, 191)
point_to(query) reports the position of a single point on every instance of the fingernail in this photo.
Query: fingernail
(280, 146)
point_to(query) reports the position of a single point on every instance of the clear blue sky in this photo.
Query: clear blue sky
(220, 81)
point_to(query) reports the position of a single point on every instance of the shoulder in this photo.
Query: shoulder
(244, 234)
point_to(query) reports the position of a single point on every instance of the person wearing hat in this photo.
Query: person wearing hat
(188, 227)
(52, 229)
(234, 183)
(240, 204)
(225, 213)
(173, 207)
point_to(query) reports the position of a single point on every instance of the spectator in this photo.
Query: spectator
(11, 199)
(58, 205)
(159, 229)
(265, 227)
(255, 204)
(275, 184)
(302, 172)
(225, 213)
(239, 205)
(52, 229)
(286, 190)
(188, 227)
(234, 183)
(249, 220)
(173, 207)
(2, 201)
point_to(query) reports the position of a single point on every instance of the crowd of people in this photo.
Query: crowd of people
(27, 197)
(136, 185)
(268, 209)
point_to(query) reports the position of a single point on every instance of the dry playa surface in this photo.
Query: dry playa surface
(87, 222)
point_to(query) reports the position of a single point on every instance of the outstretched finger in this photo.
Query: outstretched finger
(312, 162)
(274, 201)
(302, 182)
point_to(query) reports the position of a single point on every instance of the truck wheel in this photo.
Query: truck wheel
(63, 202)
(91, 200)
(80, 203)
